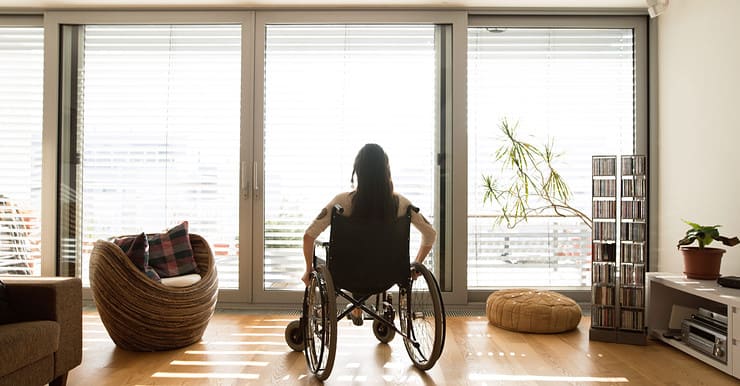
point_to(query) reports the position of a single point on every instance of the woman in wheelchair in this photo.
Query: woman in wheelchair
(373, 199)
(375, 237)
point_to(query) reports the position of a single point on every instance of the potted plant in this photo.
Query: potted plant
(703, 262)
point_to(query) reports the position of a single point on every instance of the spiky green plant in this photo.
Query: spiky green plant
(527, 175)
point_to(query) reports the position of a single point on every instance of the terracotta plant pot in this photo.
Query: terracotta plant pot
(702, 263)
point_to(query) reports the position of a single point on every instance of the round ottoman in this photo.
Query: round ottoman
(530, 310)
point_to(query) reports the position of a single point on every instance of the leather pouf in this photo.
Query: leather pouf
(530, 310)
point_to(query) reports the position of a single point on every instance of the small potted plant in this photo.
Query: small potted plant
(703, 262)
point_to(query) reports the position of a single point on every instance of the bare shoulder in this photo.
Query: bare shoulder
(403, 202)
(343, 195)
(401, 198)
(344, 199)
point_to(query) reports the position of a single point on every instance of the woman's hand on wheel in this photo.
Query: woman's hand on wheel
(306, 277)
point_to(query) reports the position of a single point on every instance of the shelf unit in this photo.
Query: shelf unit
(604, 247)
(665, 290)
(619, 249)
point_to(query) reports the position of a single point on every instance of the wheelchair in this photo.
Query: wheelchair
(365, 259)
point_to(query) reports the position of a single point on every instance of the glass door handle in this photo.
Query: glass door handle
(245, 188)
(255, 185)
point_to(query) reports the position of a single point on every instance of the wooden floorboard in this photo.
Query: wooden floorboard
(248, 348)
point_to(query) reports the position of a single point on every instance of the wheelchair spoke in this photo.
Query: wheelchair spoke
(422, 318)
(320, 332)
(422, 332)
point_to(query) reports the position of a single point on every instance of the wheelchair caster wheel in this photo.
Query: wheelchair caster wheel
(384, 333)
(294, 336)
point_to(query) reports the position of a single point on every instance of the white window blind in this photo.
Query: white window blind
(575, 86)
(160, 134)
(329, 89)
(21, 92)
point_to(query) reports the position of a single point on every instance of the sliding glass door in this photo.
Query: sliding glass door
(329, 88)
(153, 135)
(573, 84)
(159, 126)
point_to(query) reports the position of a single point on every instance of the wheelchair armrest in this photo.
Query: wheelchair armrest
(337, 209)
(320, 244)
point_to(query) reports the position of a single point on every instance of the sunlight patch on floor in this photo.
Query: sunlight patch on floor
(218, 363)
(89, 331)
(206, 375)
(352, 378)
(257, 334)
(226, 343)
(543, 378)
(402, 379)
(234, 352)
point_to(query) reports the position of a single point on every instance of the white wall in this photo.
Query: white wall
(699, 124)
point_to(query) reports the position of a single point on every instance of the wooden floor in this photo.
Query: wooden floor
(242, 348)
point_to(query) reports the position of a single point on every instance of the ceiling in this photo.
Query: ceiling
(31, 5)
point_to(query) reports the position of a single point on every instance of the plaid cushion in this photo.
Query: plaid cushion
(170, 253)
(137, 249)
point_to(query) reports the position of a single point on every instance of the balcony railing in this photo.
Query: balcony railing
(18, 251)
(542, 252)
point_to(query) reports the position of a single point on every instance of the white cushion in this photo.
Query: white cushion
(181, 281)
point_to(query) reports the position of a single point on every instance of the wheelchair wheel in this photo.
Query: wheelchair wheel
(383, 332)
(422, 318)
(294, 336)
(320, 334)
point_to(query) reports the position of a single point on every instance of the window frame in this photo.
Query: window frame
(252, 118)
(455, 231)
(639, 24)
(53, 111)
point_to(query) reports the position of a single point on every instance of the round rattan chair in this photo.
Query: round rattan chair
(141, 314)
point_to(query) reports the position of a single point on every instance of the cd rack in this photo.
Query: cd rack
(619, 248)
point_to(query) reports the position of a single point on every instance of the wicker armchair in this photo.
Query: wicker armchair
(141, 314)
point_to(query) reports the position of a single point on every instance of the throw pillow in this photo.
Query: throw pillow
(137, 249)
(6, 314)
(170, 253)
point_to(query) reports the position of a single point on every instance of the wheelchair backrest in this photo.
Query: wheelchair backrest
(368, 257)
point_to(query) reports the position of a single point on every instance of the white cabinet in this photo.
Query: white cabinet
(664, 290)
(734, 343)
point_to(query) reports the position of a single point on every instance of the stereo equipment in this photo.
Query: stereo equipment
(705, 338)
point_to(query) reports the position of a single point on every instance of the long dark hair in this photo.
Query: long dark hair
(373, 198)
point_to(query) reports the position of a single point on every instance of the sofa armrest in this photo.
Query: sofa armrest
(57, 299)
